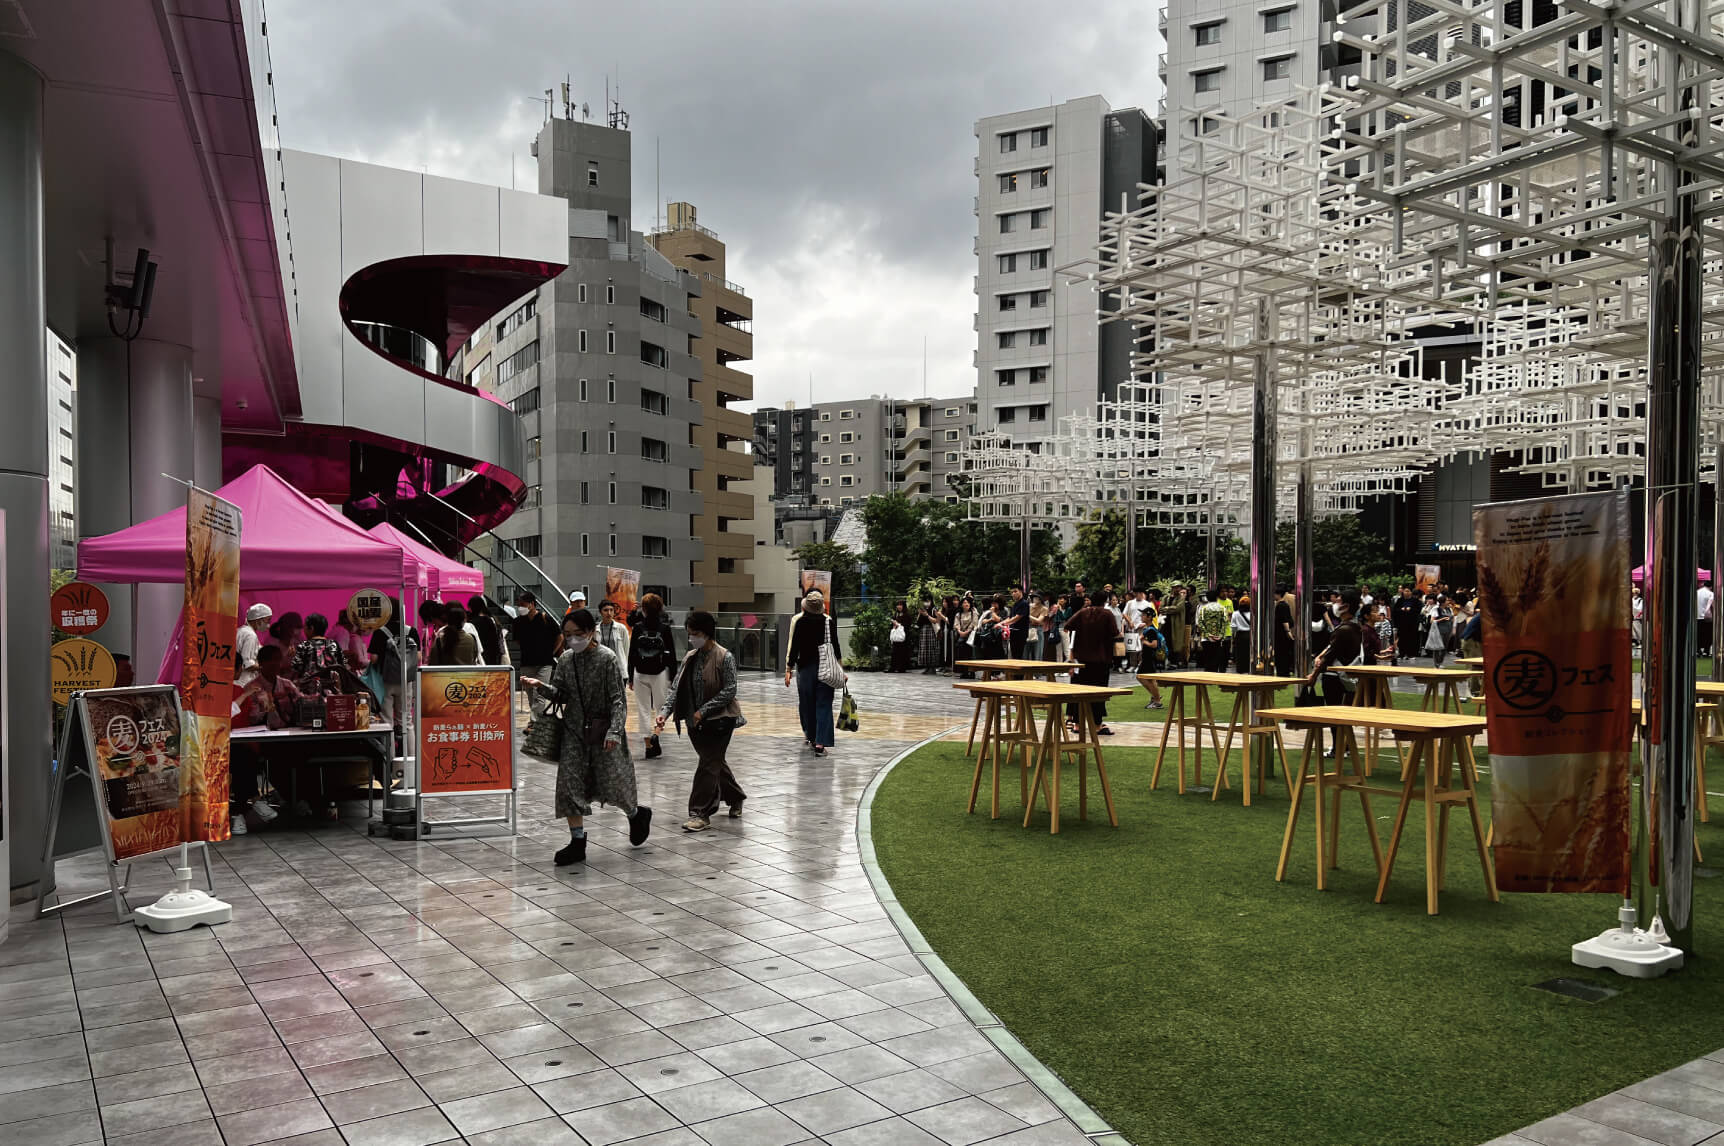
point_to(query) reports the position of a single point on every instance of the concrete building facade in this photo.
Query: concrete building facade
(62, 455)
(726, 316)
(1044, 178)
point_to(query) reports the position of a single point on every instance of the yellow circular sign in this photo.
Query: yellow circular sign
(79, 665)
(369, 609)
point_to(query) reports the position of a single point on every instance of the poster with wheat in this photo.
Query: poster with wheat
(211, 617)
(1553, 585)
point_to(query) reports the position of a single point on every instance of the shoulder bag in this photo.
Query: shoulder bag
(831, 668)
(544, 737)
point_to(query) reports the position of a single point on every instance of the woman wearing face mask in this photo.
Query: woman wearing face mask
(595, 766)
(704, 695)
(810, 629)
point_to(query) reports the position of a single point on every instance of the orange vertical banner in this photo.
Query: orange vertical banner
(1553, 584)
(206, 681)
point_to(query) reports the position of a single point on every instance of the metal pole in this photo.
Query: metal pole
(1304, 573)
(1209, 556)
(1024, 550)
(1130, 542)
(1265, 445)
(1672, 457)
(1717, 555)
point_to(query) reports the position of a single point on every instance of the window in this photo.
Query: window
(1006, 377)
(613, 492)
(583, 441)
(1207, 81)
(652, 310)
(847, 436)
(527, 356)
(528, 546)
(610, 342)
(518, 317)
(824, 438)
(583, 545)
(611, 389)
(825, 459)
(846, 479)
(1039, 336)
(1038, 374)
(1008, 141)
(580, 342)
(652, 449)
(843, 414)
(1038, 413)
(1008, 182)
(727, 565)
(527, 402)
(1039, 177)
(580, 292)
(583, 389)
(610, 293)
(611, 442)
(1038, 260)
(846, 459)
(654, 402)
(1280, 68)
(1280, 20)
(1008, 264)
(951, 411)
(1008, 223)
(1038, 298)
(1208, 35)
(825, 481)
(1039, 218)
(613, 544)
(532, 448)
(1008, 302)
(951, 458)
(592, 174)
(1005, 415)
(655, 355)
(1008, 339)
(585, 496)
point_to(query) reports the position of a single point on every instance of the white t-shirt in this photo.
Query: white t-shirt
(245, 646)
(1241, 623)
(1134, 607)
(1704, 597)
(1366, 599)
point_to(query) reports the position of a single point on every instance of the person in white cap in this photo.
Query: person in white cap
(577, 600)
(250, 637)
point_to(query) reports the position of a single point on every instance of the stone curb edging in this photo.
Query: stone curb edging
(1053, 1088)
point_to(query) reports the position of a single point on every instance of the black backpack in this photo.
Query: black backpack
(391, 659)
(652, 652)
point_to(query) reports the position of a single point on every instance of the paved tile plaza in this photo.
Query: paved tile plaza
(743, 986)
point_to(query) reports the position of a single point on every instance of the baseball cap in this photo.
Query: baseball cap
(577, 595)
(258, 612)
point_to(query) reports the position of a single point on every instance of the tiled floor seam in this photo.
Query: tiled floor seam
(1052, 1087)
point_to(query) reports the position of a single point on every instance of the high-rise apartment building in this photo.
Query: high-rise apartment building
(1045, 176)
(726, 316)
(601, 365)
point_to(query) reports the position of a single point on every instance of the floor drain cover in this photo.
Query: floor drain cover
(1578, 989)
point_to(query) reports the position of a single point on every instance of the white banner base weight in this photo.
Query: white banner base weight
(1629, 950)
(184, 907)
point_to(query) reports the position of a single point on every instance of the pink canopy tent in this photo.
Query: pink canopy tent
(1639, 575)
(449, 578)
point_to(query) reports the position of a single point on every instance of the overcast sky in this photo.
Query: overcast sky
(829, 144)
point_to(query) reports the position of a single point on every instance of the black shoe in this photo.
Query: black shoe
(652, 748)
(819, 751)
(736, 810)
(576, 852)
(639, 825)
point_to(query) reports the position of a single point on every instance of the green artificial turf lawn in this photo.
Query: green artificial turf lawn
(1164, 974)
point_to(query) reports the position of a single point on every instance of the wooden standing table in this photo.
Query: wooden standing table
(1250, 694)
(1012, 670)
(1711, 732)
(1477, 665)
(1439, 741)
(1442, 694)
(1052, 744)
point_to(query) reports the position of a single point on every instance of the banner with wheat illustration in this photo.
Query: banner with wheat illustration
(1553, 586)
(206, 680)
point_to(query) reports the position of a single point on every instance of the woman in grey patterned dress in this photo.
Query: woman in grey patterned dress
(588, 683)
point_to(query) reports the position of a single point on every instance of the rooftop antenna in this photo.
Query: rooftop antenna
(614, 113)
(550, 106)
(657, 193)
(586, 113)
(566, 109)
(924, 366)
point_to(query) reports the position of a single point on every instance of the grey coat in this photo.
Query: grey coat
(591, 682)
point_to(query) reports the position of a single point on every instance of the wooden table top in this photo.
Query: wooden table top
(1709, 688)
(1218, 679)
(1700, 705)
(1476, 662)
(1406, 721)
(1412, 671)
(1039, 689)
(1037, 667)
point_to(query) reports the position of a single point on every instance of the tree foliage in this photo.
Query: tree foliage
(839, 561)
(1342, 553)
(909, 541)
(1163, 555)
(870, 637)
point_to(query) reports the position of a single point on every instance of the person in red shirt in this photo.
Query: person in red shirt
(267, 697)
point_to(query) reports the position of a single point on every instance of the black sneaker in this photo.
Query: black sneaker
(736, 810)
(819, 751)
(639, 825)
(576, 852)
(652, 748)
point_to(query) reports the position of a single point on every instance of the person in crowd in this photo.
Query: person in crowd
(704, 697)
(1345, 647)
(1404, 614)
(491, 646)
(1225, 596)
(1365, 598)
(286, 634)
(1136, 604)
(1239, 625)
(124, 675)
(1473, 635)
(1284, 645)
(1035, 634)
(266, 696)
(249, 639)
(1114, 607)
(1151, 655)
(949, 639)
(341, 632)
(1704, 628)
(1213, 622)
(809, 630)
(1370, 640)
(964, 627)
(595, 766)
(651, 657)
(900, 638)
(613, 634)
(577, 600)
(1377, 620)
(318, 660)
(457, 642)
(1093, 631)
(1636, 616)
(537, 634)
(1441, 618)
(1178, 627)
(929, 624)
(1017, 623)
(385, 649)
(1053, 627)
(990, 636)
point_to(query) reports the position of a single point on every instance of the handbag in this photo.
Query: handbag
(1306, 697)
(847, 721)
(831, 671)
(544, 738)
(897, 634)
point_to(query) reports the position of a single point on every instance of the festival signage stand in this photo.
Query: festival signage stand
(120, 751)
(466, 744)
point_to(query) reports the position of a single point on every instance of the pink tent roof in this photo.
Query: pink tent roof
(1639, 574)
(287, 541)
(447, 574)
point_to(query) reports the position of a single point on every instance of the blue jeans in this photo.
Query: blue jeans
(814, 704)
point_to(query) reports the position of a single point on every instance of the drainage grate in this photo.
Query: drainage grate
(1580, 989)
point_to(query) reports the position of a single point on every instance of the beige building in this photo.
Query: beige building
(726, 316)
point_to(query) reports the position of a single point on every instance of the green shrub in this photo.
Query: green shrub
(870, 637)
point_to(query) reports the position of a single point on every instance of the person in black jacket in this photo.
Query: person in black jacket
(810, 629)
(652, 656)
(1405, 614)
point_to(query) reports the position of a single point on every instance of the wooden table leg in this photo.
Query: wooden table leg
(1322, 811)
(981, 699)
(1100, 766)
(1175, 718)
(1054, 794)
(1296, 789)
(1036, 787)
(1469, 778)
(981, 761)
(1227, 751)
(1409, 777)
(1431, 834)
(996, 721)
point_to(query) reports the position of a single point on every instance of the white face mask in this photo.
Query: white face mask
(579, 644)
(697, 641)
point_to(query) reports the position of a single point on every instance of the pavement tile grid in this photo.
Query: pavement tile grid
(740, 986)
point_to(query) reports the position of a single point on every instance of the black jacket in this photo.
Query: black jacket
(644, 627)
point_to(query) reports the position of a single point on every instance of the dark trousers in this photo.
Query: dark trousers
(1211, 656)
(712, 777)
(1242, 652)
(1406, 642)
(1283, 657)
(1704, 634)
(1096, 674)
(1019, 638)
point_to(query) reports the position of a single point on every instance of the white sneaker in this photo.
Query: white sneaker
(264, 812)
(239, 825)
